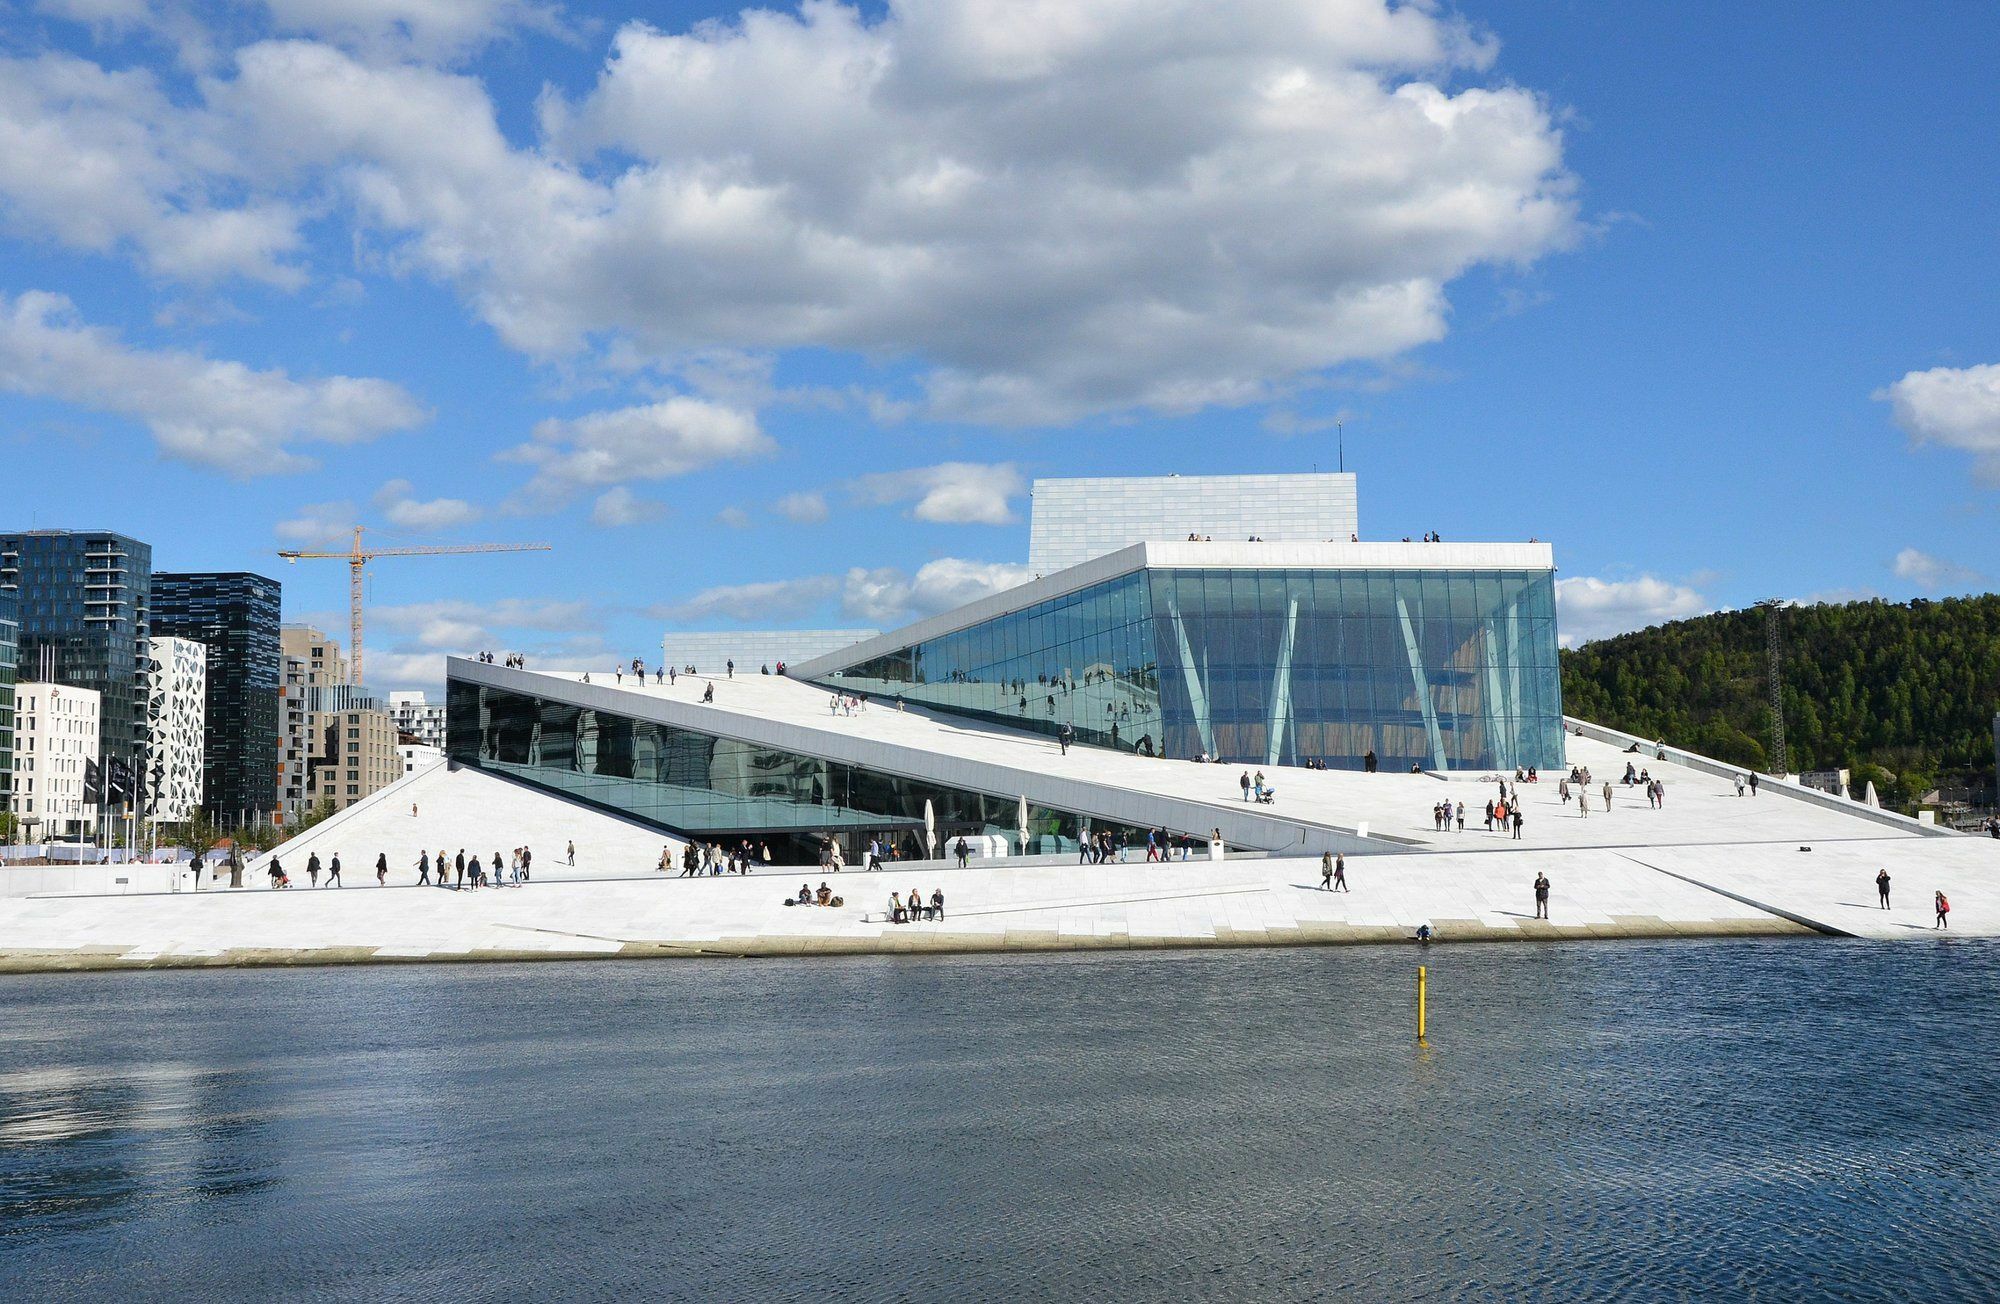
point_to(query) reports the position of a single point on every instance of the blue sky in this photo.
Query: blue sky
(769, 318)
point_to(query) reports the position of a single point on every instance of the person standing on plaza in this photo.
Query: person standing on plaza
(1541, 896)
(527, 864)
(312, 869)
(1753, 783)
(1066, 737)
(1943, 908)
(458, 864)
(333, 871)
(572, 855)
(381, 869)
(1882, 886)
(1244, 783)
(1518, 817)
(1607, 794)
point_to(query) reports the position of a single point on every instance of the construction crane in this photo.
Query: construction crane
(358, 557)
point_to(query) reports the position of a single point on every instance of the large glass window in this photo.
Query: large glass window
(712, 788)
(1439, 669)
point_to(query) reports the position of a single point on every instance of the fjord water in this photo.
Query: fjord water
(1755, 1120)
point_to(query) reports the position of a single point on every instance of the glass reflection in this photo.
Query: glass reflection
(1438, 669)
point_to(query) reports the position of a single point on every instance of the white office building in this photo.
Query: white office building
(176, 708)
(55, 744)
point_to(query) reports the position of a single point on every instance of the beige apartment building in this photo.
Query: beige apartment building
(341, 741)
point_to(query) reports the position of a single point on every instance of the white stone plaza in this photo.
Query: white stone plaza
(1706, 863)
(1258, 703)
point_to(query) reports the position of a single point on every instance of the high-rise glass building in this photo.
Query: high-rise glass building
(235, 615)
(10, 650)
(86, 611)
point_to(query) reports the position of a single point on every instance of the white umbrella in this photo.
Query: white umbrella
(930, 829)
(1023, 816)
(1872, 798)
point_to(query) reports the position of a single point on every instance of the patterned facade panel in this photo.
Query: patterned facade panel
(176, 721)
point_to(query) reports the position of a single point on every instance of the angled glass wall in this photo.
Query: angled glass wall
(1441, 669)
(718, 789)
(1086, 659)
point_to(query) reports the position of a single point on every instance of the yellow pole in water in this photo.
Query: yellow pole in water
(1423, 984)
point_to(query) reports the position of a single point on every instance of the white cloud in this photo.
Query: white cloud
(1934, 573)
(319, 526)
(107, 162)
(401, 509)
(804, 508)
(1050, 208)
(202, 410)
(1588, 608)
(649, 442)
(620, 506)
(734, 517)
(953, 493)
(1958, 407)
(884, 595)
(410, 641)
(415, 29)
(887, 596)
(767, 601)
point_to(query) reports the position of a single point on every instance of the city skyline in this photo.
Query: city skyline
(770, 320)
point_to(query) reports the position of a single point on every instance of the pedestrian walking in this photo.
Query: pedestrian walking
(312, 869)
(527, 864)
(1340, 873)
(333, 871)
(572, 855)
(424, 869)
(1943, 908)
(1541, 896)
(1882, 887)
(458, 864)
(1326, 872)
(1065, 738)
(1607, 794)
(1518, 817)
(1753, 783)
(381, 869)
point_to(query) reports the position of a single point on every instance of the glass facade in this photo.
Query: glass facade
(86, 610)
(1443, 669)
(235, 615)
(715, 789)
(10, 649)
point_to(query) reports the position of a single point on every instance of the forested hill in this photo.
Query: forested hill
(1909, 687)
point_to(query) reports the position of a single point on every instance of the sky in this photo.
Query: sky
(768, 317)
